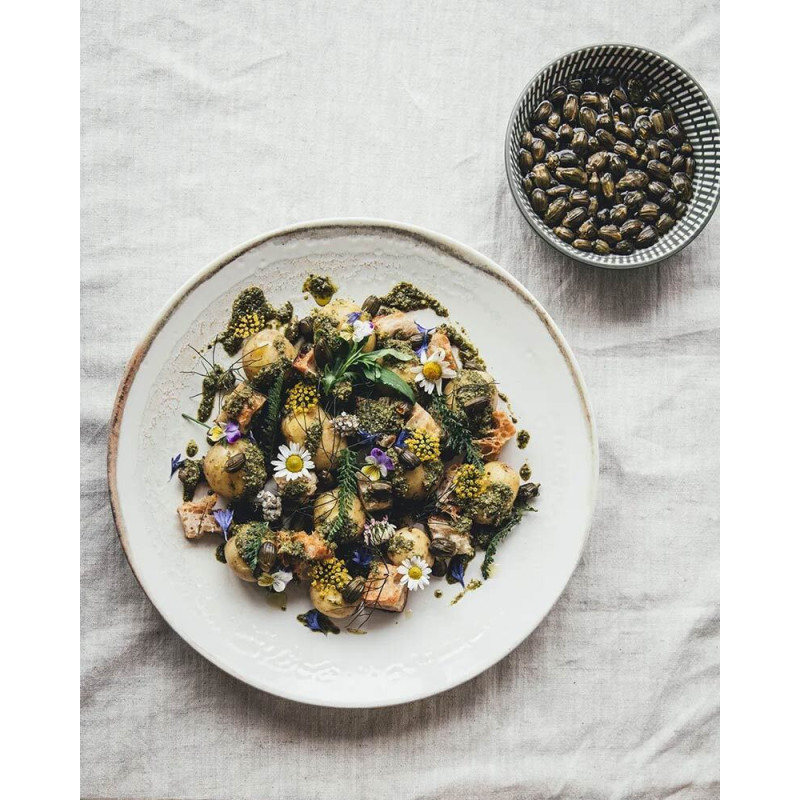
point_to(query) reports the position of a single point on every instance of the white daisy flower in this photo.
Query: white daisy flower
(433, 369)
(414, 573)
(293, 462)
(362, 330)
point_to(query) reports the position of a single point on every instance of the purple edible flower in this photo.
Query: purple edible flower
(351, 318)
(177, 463)
(401, 438)
(224, 518)
(381, 458)
(456, 570)
(232, 432)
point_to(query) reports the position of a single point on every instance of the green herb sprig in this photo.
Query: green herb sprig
(348, 486)
(356, 363)
(518, 511)
(268, 425)
(459, 435)
(249, 552)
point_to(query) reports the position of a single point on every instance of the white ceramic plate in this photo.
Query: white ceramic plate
(433, 645)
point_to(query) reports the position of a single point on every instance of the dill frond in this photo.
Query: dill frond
(459, 435)
(268, 425)
(348, 486)
(499, 535)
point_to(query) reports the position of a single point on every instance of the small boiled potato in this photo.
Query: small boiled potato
(236, 562)
(265, 348)
(295, 427)
(471, 377)
(326, 507)
(231, 484)
(497, 474)
(330, 444)
(415, 483)
(339, 310)
(420, 546)
(331, 603)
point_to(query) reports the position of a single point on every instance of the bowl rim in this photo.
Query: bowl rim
(351, 224)
(571, 252)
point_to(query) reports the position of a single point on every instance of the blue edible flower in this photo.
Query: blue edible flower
(456, 570)
(424, 331)
(224, 518)
(362, 556)
(177, 463)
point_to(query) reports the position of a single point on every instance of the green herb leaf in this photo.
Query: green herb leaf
(393, 381)
(387, 351)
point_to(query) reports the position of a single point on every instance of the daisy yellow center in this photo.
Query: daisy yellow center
(294, 463)
(432, 370)
(415, 573)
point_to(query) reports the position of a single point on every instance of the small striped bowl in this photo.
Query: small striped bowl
(692, 108)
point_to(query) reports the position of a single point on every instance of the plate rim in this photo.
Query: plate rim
(442, 242)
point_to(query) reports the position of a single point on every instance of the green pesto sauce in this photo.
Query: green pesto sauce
(399, 483)
(313, 438)
(321, 288)
(252, 301)
(493, 503)
(399, 544)
(432, 470)
(407, 297)
(348, 531)
(217, 380)
(523, 438)
(298, 489)
(525, 472)
(471, 587)
(292, 332)
(219, 554)
(191, 448)
(293, 549)
(238, 400)
(268, 375)
(277, 599)
(190, 474)
(254, 471)
(466, 350)
(380, 415)
(437, 593)
(326, 331)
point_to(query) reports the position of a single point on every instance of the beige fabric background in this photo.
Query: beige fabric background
(206, 123)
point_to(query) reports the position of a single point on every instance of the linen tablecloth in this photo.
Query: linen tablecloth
(206, 123)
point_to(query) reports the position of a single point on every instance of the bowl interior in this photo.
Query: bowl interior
(692, 108)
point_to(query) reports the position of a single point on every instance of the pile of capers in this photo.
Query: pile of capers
(606, 164)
